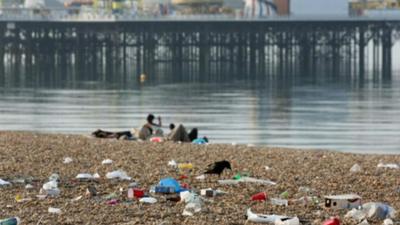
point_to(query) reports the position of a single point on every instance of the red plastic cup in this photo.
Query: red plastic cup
(262, 196)
(138, 193)
(332, 221)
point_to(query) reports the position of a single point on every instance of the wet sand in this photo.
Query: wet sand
(35, 157)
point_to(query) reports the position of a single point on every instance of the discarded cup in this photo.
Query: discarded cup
(11, 221)
(262, 196)
(332, 221)
(138, 193)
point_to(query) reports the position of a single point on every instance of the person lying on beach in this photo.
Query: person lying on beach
(151, 128)
(107, 134)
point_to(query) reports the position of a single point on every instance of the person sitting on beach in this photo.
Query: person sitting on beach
(179, 133)
(151, 128)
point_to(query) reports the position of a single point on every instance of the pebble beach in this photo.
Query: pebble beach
(30, 158)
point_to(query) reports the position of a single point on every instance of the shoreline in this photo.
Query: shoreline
(38, 155)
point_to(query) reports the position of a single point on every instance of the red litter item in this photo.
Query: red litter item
(156, 139)
(138, 193)
(112, 202)
(262, 196)
(185, 185)
(182, 177)
(332, 221)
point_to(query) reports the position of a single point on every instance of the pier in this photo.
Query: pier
(199, 47)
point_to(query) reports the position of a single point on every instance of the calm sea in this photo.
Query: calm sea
(338, 113)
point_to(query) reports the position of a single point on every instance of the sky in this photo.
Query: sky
(319, 7)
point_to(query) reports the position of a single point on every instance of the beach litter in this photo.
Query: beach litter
(87, 176)
(54, 210)
(388, 166)
(388, 222)
(11, 221)
(332, 221)
(148, 200)
(279, 202)
(4, 183)
(355, 168)
(347, 201)
(246, 180)
(193, 203)
(364, 222)
(168, 185)
(261, 218)
(107, 162)
(292, 221)
(50, 189)
(118, 174)
(173, 164)
(68, 160)
(372, 210)
(262, 196)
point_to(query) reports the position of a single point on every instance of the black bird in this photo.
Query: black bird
(218, 167)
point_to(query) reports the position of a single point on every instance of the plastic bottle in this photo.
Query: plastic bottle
(10, 221)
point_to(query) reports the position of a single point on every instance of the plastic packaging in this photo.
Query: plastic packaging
(246, 180)
(11, 221)
(135, 193)
(118, 174)
(388, 222)
(173, 164)
(164, 189)
(389, 166)
(148, 200)
(54, 210)
(51, 188)
(292, 221)
(364, 222)
(378, 210)
(355, 168)
(357, 215)
(278, 201)
(67, 160)
(168, 185)
(107, 162)
(87, 176)
(4, 183)
(260, 218)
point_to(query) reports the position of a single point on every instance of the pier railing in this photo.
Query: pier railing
(98, 15)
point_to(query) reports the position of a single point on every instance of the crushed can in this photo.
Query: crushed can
(10, 221)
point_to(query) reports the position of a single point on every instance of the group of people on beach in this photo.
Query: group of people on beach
(152, 129)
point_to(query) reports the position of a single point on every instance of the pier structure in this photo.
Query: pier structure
(201, 48)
